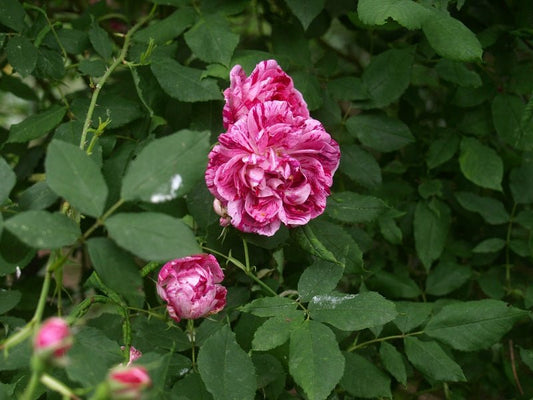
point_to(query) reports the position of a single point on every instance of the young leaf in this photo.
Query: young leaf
(431, 360)
(37, 125)
(315, 361)
(352, 312)
(226, 370)
(363, 379)
(167, 167)
(212, 40)
(43, 230)
(184, 83)
(431, 225)
(73, 175)
(481, 164)
(152, 236)
(355, 208)
(321, 277)
(8, 179)
(305, 12)
(473, 325)
(22, 55)
(393, 361)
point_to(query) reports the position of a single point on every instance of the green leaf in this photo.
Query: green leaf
(360, 166)
(190, 387)
(9, 299)
(406, 12)
(473, 325)
(100, 41)
(116, 268)
(393, 362)
(94, 68)
(310, 88)
(270, 306)
(507, 113)
(8, 179)
(527, 357)
(43, 230)
(363, 379)
(37, 197)
(168, 28)
(321, 277)
(22, 55)
(481, 164)
(352, 312)
(447, 277)
(73, 40)
(12, 15)
(226, 370)
(520, 180)
(347, 88)
(91, 356)
(212, 40)
(457, 72)
(411, 315)
(184, 83)
(271, 375)
(73, 175)
(50, 64)
(305, 12)
(306, 238)
(152, 236)
(167, 168)
(387, 76)
(492, 210)
(315, 361)
(37, 125)
(450, 38)
(442, 150)
(354, 208)
(276, 331)
(380, 132)
(431, 360)
(431, 226)
(14, 85)
(492, 245)
(394, 285)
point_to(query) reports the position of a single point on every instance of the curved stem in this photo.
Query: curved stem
(382, 339)
(30, 389)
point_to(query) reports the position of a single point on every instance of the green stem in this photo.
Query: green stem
(191, 333)
(246, 255)
(382, 339)
(57, 386)
(32, 385)
(507, 249)
(148, 268)
(109, 71)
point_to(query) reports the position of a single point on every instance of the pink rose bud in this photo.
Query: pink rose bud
(54, 338)
(190, 287)
(128, 383)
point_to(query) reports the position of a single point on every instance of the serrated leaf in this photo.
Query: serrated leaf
(181, 159)
(380, 132)
(450, 38)
(393, 361)
(152, 236)
(305, 12)
(352, 312)
(184, 83)
(22, 55)
(363, 379)
(447, 277)
(270, 306)
(276, 331)
(354, 208)
(360, 166)
(431, 360)
(212, 40)
(12, 15)
(431, 226)
(43, 230)
(73, 175)
(321, 277)
(100, 41)
(8, 179)
(481, 164)
(492, 210)
(226, 370)
(168, 28)
(473, 325)
(37, 125)
(315, 361)
(406, 12)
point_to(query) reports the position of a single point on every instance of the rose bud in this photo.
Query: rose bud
(128, 383)
(53, 339)
(190, 287)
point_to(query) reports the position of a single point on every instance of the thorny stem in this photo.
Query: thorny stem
(119, 60)
(356, 346)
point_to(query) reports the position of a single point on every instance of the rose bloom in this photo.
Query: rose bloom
(53, 338)
(190, 287)
(128, 383)
(266, 82)
(272, 167)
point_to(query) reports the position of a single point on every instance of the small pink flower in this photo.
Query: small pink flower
(266, 82)
(272, 166)
(134, 355)
(128, 383)
(190, 287)
(53, 338)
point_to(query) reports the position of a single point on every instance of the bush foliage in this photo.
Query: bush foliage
(417, 279)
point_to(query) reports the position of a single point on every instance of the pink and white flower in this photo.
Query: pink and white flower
(272, 166)
(191, 287)
(267, 82)
(53, 339)
(128, 383)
